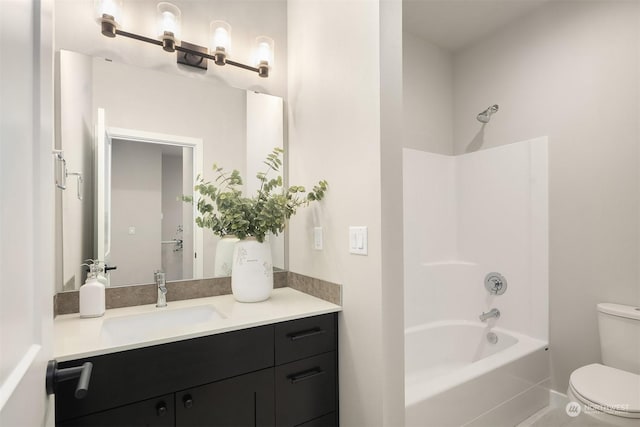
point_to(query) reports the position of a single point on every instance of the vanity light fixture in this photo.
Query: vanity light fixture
(109, 14)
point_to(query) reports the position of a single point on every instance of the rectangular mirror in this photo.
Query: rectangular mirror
(133, 140)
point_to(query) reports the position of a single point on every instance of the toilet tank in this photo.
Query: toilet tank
(619, 327)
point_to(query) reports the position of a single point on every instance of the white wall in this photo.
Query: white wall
(392, 272)
(27, 211)
(335, 134)
(570, 71)
(75, 130)
(428, 95)
(76, 29)
(136, 201)
(468, 215)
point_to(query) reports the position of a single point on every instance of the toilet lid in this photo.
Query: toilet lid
(607, 389)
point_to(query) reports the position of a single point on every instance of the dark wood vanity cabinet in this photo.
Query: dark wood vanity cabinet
(306, 371)
(283, 374)
(246, 400)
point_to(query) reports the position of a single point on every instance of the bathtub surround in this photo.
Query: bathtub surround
(467, 216)
(127, 296)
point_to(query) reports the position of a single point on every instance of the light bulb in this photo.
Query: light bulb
(220, 37)
(109, 8)
(109, 15)
(168, 20)
(264, 51)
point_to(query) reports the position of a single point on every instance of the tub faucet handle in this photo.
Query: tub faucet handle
(495, 283)
(494, 312)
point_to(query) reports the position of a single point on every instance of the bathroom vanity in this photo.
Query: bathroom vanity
(271, 363)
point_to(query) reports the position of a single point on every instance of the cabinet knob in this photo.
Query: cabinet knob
(188, 401)
(161, 409)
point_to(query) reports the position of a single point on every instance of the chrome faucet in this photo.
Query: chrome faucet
(162, 288)
(494, 312)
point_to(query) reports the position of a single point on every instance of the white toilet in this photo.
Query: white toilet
(610, 393)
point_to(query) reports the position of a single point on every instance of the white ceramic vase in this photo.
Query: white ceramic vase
(224, 256)
(252, 274)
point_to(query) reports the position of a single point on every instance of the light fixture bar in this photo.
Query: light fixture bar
(139, 37)
(263, 71)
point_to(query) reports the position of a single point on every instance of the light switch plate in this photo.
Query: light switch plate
(132, 230)
(358, 241)
(317, 238)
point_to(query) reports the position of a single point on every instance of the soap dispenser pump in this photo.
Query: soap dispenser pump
(92, 300)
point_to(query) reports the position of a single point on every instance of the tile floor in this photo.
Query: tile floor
(555, 415)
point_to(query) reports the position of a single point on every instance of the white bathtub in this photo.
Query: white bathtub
(454, 376)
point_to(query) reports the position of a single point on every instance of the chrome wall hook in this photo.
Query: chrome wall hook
(62, 173)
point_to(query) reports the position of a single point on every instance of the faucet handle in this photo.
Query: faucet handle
(495, 283)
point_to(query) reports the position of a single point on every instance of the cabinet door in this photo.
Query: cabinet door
(329, 420)
(244, 401)
(157, 412)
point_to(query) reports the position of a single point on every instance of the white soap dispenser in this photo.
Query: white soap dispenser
(92, 294)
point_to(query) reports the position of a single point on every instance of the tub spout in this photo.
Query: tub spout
(494, 312)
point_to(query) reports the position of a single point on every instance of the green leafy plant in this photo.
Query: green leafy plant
(224, 210)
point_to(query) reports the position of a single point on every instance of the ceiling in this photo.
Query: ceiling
(452, 24)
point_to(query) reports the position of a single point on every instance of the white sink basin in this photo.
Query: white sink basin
(157, 324)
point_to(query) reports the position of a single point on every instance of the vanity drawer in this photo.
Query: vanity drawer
(306, 337)
(135, 375)
(305, 389)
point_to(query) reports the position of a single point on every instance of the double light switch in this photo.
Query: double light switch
(358, 240)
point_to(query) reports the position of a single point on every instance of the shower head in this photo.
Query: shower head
(485, 116)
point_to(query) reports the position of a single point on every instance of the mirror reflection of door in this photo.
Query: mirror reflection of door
(149, 173)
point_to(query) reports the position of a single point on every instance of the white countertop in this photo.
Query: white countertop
(76, 338)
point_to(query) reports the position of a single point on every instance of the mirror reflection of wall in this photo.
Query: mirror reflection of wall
(236, 127)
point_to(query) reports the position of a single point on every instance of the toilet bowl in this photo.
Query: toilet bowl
(609, 395)
(610, 392)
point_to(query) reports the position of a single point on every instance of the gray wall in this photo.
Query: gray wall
(428, 95)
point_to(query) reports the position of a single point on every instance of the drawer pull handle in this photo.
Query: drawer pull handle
(306, 375)
(305, 334)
